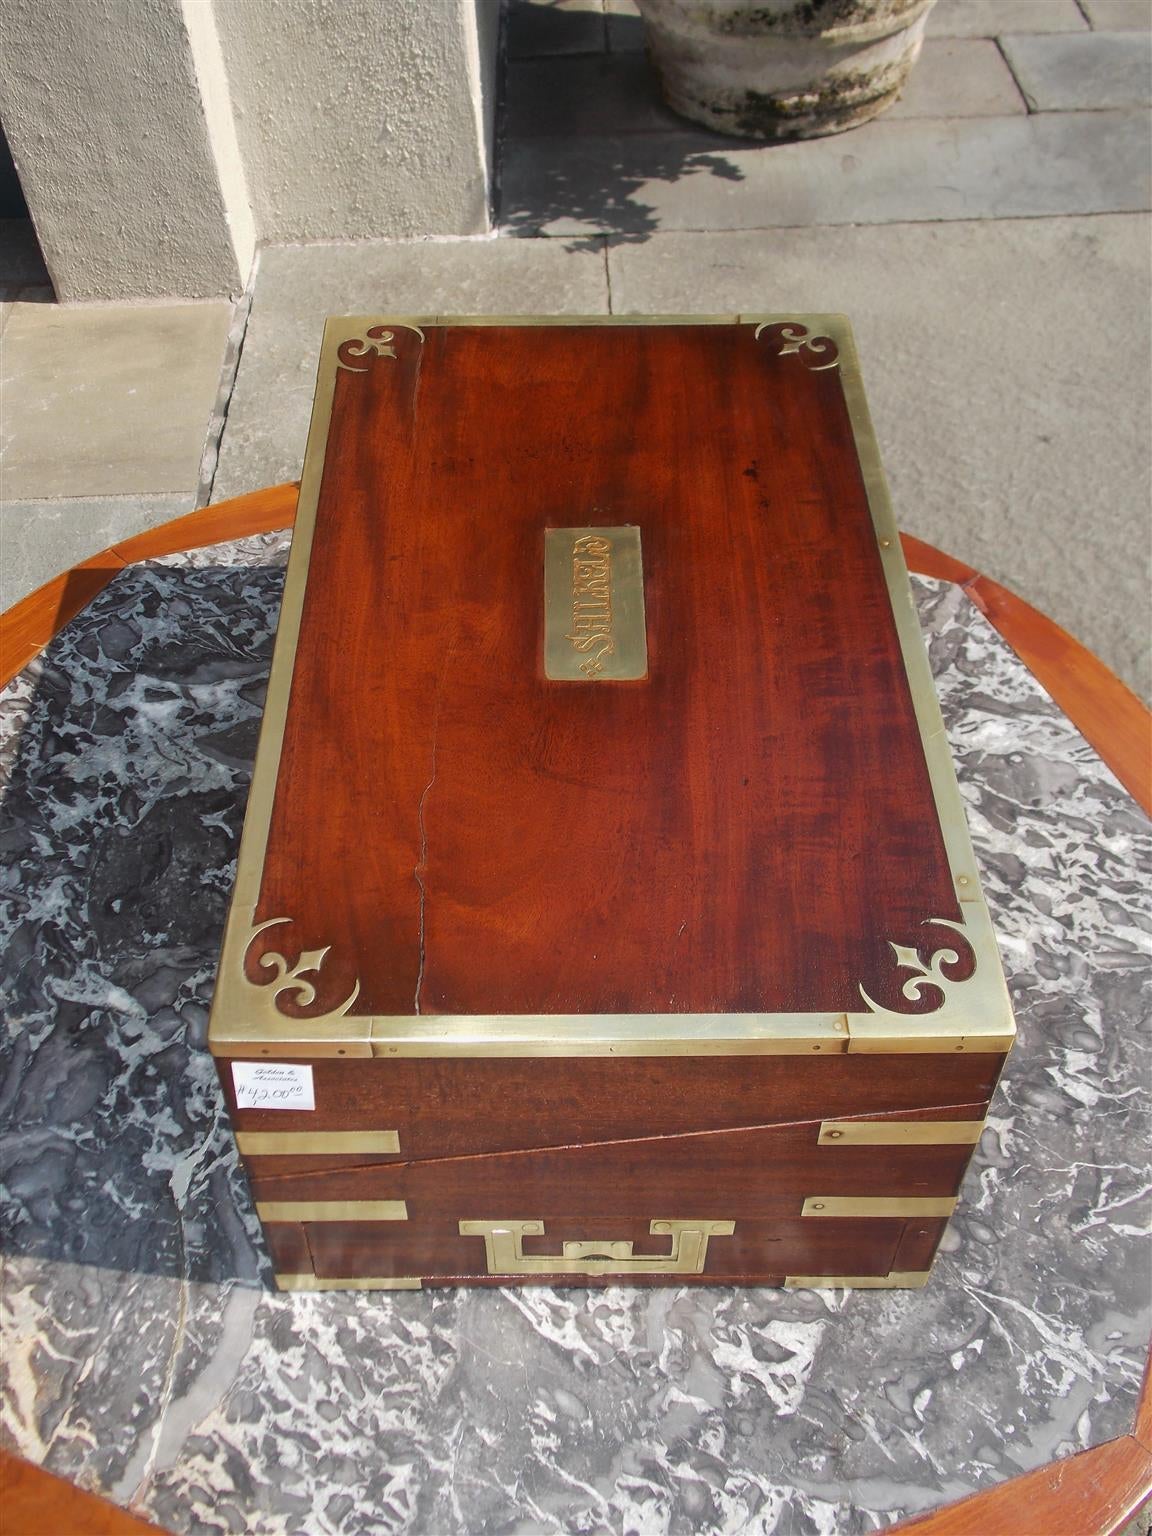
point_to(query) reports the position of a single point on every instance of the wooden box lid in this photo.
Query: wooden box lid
(674, 780)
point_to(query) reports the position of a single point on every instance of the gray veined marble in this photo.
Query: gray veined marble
(145, 1355)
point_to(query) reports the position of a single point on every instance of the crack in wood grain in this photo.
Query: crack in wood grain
(420, 869)
(976, 1111)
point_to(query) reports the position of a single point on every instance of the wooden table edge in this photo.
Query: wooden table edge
(32, 623)
(1102, 708)
(40, 1503)
(1093, 1493)
(1106, 712)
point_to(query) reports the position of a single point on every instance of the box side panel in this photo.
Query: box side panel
(458, 1106)
(766, 1252)
(779, 1172)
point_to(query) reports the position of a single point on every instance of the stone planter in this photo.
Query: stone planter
(783, 69)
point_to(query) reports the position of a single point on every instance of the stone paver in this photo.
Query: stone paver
(886, 172)
(107, 399)
(539, 28)
(298, 286)
(603, 95)
(1007, 367)
(989, 18)
(1119, 16)
(40, 539)
(1028, 391)
(1070, 73)
(959, 77)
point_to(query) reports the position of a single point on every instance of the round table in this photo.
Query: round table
(147, 1357)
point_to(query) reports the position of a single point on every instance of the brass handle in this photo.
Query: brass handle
(504, 1249)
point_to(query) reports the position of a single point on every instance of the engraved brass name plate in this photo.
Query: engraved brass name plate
(594, 605)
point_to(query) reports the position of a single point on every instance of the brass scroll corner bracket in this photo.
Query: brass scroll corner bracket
(279, 978)
(933, 985)
(788, 338)
(357, 354)
(504, 1249)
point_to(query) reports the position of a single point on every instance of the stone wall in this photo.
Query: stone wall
(158, 142)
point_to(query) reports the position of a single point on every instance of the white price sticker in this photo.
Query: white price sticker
(272, 1085)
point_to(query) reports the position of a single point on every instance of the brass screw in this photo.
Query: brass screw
(818, 1205)
(835, 1135)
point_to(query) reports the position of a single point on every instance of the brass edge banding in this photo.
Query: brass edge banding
(879, 1205)
(924, 698)
(315, 1143)
(953, 1028)
(899, 1133)
(680, 1034)
(349, 1283)
(985, 995)
(686, 1034)
(897, 1279)
(231, 999)
(931, 1042)
(332, 1210)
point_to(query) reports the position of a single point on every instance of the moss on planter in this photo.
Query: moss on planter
(807, 18)
(810, 68)
(839, 103)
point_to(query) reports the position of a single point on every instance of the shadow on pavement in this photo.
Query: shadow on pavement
(584, 130)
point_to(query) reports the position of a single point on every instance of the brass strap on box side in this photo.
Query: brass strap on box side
(879, 1205)
(504, 1250)
(331, 1210)
(315, 1143)
(899, 1133)
(349, 1283)
(896, 1280)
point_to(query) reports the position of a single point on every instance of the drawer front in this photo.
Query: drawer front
(770, 1206)
(573, 1250)
(411, 1109)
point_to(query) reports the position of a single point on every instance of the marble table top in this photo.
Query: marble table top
(146, 1356)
